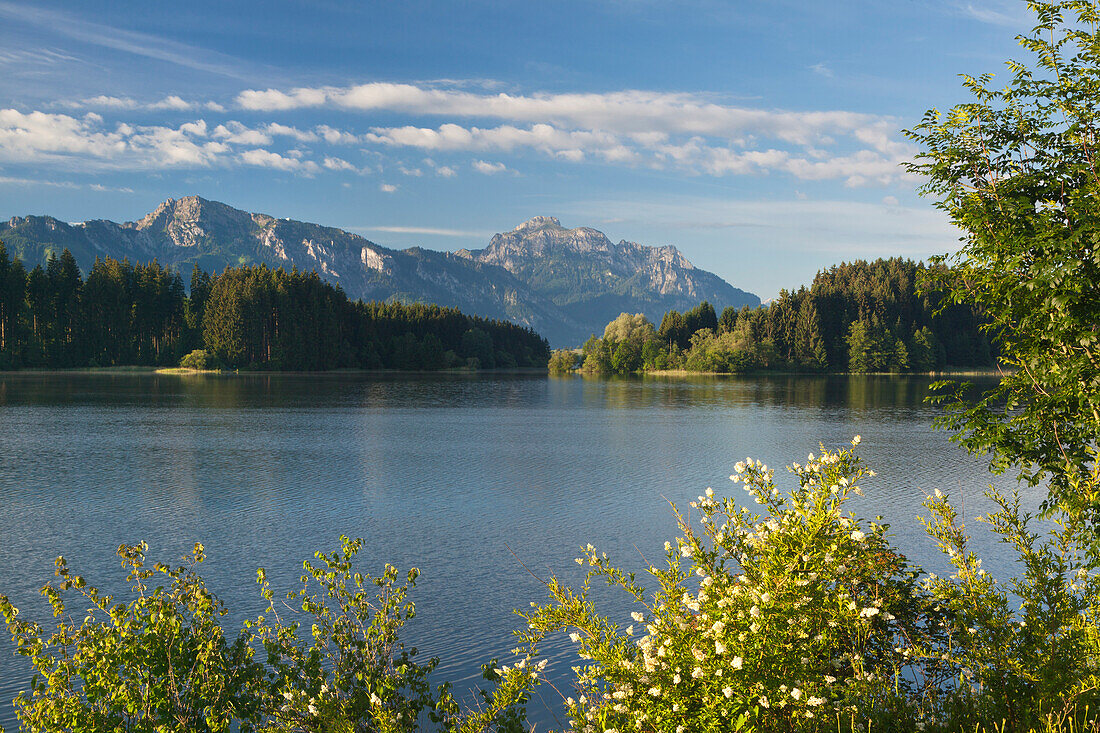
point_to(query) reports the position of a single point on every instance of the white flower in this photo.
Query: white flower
(754, 612)
(796, 693)
(727, 691)
(737, 662)
(868, 612)
(637, 616)
(709, 492)
(855, 440)
(574, 637)
(766, 598)
(375, 700)
(858, 536)
(719, 648)
(815, 701)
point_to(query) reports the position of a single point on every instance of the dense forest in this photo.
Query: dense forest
(858, 317)
(245, 317)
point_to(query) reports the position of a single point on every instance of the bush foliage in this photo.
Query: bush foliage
(163, 662)
(801, 617)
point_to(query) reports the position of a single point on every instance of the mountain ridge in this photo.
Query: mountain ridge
(563, 283)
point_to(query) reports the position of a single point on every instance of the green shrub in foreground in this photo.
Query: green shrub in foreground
(352, 673)
(161, 662)
(771, 622)
(801, 617)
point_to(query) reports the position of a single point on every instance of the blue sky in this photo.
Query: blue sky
(762, 138)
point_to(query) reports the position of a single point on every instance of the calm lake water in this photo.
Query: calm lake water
(463, 476)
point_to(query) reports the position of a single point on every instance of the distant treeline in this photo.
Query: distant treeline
(246, 317)
(858, 317)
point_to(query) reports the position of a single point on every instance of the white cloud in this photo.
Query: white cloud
(424, 230)
(685, 131)
(387, 188)
(267, 159)
(879, 165)
(445, 171)
(635, 111)
(303, 136)
(272, 100)
(171, 102)
(86, 142)
(333, 136)
(236, 133)
(482, 166)
(338, 164)
(103, 101)
(505, 138)
(822, 70)
(106, 102)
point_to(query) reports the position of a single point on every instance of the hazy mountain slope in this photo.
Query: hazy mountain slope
(593, 279)
(564, 283)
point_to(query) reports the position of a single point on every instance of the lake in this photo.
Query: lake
(463, 476)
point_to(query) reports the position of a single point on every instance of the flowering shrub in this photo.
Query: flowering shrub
(797, 616)
(355, 674)
(162, 662)
(158, 663)
(777, 622)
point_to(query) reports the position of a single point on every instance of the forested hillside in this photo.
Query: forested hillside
(858, 317)
(251, 316)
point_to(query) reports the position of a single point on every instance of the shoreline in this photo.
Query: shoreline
(182, 371)
(992, 372)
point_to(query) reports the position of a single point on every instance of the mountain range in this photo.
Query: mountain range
(564, 283)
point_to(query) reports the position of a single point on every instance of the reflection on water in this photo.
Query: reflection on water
(452, 473)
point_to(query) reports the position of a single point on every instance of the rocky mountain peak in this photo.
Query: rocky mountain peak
(538, 222)
(158, 217)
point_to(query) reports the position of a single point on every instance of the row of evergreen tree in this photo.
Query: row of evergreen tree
(859, 317)
(245, 317)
